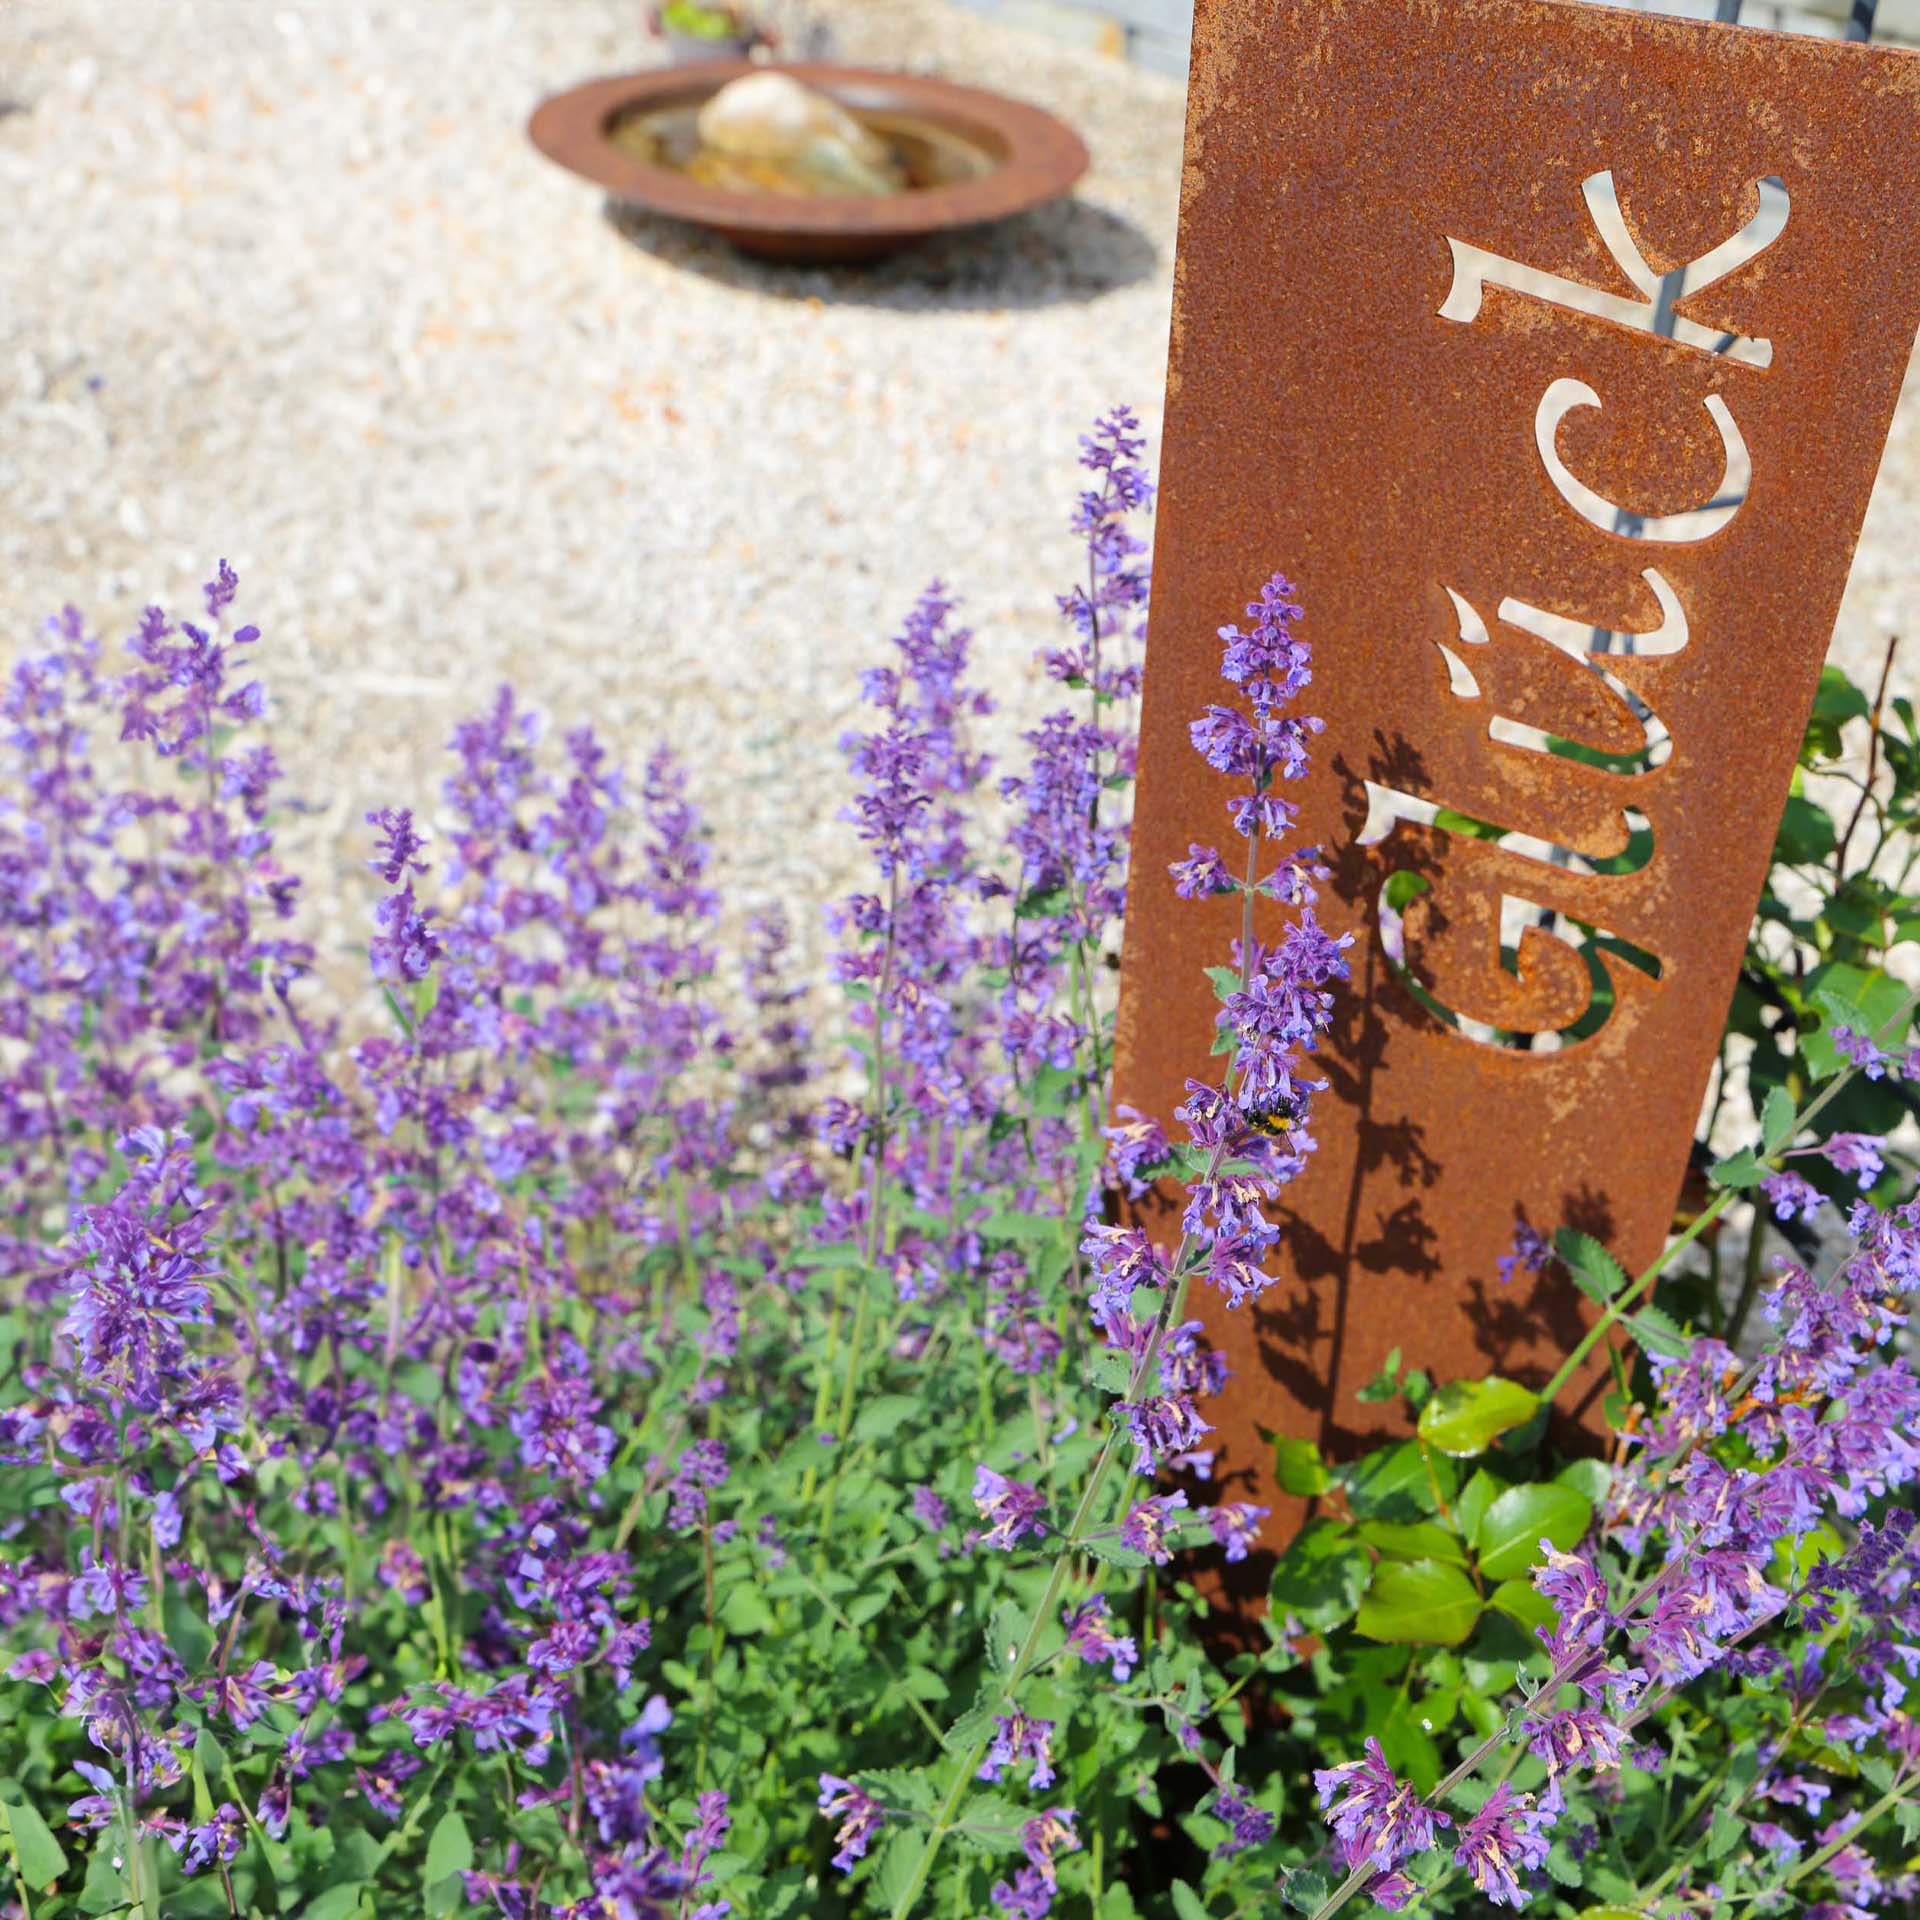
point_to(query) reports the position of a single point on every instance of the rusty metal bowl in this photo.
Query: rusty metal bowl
(1026, 157)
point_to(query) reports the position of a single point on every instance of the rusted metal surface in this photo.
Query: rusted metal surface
(1341, 406)
(1038, 159)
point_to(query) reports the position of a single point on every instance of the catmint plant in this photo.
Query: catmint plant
(572, 1427)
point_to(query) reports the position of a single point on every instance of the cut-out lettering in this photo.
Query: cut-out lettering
(1388, 806)
(1474, 268)
(1524, 924)
(1694, 523)
(1582, 644)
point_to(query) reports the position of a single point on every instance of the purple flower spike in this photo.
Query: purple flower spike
(1507, 1837)
(1379, 1819)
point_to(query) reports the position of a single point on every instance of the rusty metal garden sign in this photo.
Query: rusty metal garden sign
(1570, 549)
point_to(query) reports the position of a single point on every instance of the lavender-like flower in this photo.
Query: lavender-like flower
(1378, 1818)
(1506, 1837)
(1011, 1508)
(858, 1813)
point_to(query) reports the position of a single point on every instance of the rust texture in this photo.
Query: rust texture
(1327, 417)
(1038, 157)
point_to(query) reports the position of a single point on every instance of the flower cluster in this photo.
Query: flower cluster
(1719, 1559)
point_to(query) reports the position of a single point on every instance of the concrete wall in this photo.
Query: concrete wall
(1154, 32)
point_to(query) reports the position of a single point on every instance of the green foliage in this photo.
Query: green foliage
(1466, 1417)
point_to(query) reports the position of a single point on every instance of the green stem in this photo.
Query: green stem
(1749, 1276)
(1172, 1302)
(1895, 1795)
(1618, 1306)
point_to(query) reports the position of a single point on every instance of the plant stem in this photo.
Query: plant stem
(1873, 764)
(1749, 1275)
(1618, 1306)
(1171, 1303)
(1895, 1795)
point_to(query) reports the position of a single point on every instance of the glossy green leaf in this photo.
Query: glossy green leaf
(1298, 1467)
(1475, 1498)
(1422, 1602)
(1591, 1477)
(1512, 1527)
(1398, 1482)
(1467, 1416)
(1807, 835)
(1321, 1576)
(1418, 1540)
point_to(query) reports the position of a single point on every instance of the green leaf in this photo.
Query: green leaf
(1795, 1556)
(745, 1609)
(1594, 1478)
(1806, 834)
(1849, 996)
(1108, 1372)
(908, 1787)
(1595, 1271)
(1186, 1903)
(1521, 1604)
(1725, 1832)
(1420, 1540)
(899, 1865)
(1384, 1384)
(449, 1852)
(39, 1856)
(1738, 1170)
(1304, 1890)
(1006, 1627)
(1020, 1226)
(1226, 981)
(1777, 1119)
(1043, 903)
(1512, 1527)
(1658, 1332)
(1475, 1498)
(1838, 700)
(1408, 1743)
(884, 1416)
(1467, 1416)
(1421, 1602)
(336, 1903)
(1298, 1467)
(993, 1823)
(1320, 1577)
(105, 1890)
(1397, 1482)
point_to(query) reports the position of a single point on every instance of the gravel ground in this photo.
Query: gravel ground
(285, 283)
